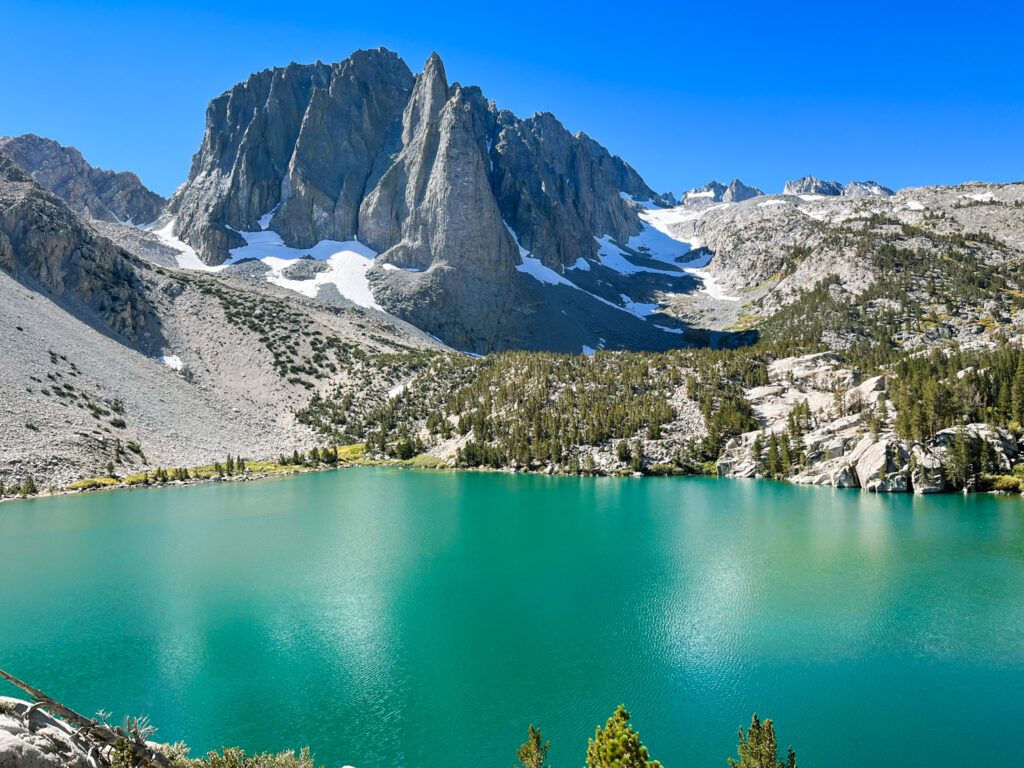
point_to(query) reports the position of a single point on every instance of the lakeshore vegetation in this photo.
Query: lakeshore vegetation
(616, 744)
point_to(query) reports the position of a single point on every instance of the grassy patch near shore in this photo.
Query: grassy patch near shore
(426, 461)
(93, 482)
(353, 452)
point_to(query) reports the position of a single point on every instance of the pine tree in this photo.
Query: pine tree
(785, 460)
(28, 486)
(962, 460)
(623, 452)
(758, 748)
(1017, 394)
(773, 456)
(756, 448)
(2, 489)
(617, 745)
(636, 461)
(534, 751)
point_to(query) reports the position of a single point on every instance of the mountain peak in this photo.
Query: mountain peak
(433, 178)
(738, 191)
(90, 191)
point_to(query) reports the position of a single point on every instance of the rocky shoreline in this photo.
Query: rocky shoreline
(853, 443)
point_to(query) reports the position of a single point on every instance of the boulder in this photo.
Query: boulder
(844, 476)
(926, 473)
(881, 464)
(43, 742)
(867, 393)
(304, 269)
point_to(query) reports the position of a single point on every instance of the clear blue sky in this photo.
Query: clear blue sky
(906, 93)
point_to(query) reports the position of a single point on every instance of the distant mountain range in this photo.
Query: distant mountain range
(421, 198)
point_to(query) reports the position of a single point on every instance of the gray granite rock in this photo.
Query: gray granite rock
(303, 141)
(738, 192)
(710, 193)
(809, 185)
(91, 192)
(926, 472)
(866, 189)
(304, 269)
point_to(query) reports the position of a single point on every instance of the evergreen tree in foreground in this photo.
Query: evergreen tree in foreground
(617, 745)
(759, 749)
(533, 753)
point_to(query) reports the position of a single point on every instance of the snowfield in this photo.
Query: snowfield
(347, 262)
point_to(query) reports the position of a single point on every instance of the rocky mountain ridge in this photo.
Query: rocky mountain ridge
(91, 192)
(716, 192)
(929, 264)
(44, 245)
(355, 201)
(809, 185)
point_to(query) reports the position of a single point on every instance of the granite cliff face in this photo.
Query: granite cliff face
(93, 193)
(449, 191)
(301, 141)
(447, 261)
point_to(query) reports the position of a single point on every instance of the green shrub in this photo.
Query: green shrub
(1002, 483)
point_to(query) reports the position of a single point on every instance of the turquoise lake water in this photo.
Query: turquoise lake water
(399, 618)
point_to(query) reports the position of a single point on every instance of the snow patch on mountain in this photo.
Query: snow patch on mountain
(347, 262)
(982, 197)
(640, 309)
(534, 267)
(711, 285)
(614, 258)
(187, 256)
(645, 204)
(661, 221)
(264, 220)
